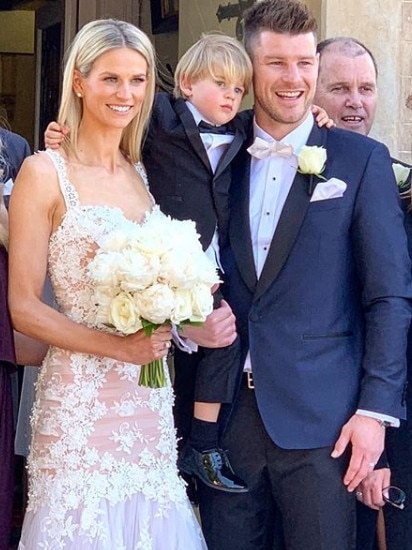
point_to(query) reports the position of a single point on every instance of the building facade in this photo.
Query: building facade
(40, 30)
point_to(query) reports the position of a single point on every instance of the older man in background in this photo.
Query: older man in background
(347, 90)
(347, 83)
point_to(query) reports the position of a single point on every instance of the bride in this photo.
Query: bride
(102, 464)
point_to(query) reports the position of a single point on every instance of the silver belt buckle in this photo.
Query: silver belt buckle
(249, 378)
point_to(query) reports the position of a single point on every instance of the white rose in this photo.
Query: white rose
(311, 159)
(179, 271)
(401, 173)
(153, 236)
(207, 270)
(185, 236)
(156, 303)
(118, 240)
(101, 302)
(137, 271)
(186, 269)
(202, 302)
(123, 315)
(104, 268)
(183, 306)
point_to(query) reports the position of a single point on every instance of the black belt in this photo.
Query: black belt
(247, 380)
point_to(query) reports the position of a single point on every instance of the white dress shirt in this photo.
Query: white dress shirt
(270, 181)
(215, 145)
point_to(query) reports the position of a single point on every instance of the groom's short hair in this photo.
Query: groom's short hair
(279, 16)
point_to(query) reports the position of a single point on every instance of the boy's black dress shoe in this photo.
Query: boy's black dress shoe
(213, 468)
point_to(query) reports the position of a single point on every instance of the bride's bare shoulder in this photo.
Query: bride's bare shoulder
(38, 173)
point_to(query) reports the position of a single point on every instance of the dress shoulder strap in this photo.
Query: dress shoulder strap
(71, 198)
(142, 173)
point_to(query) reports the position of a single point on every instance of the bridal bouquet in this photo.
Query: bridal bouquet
(150, 274)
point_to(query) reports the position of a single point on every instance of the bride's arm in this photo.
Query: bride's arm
(28, 350)
(36, 208)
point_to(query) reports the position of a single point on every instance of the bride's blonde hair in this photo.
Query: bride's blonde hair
(93, 40)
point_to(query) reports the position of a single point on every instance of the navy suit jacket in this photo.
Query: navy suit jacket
(399, 442)
(326, 322)
(180, 176)
(14, 149)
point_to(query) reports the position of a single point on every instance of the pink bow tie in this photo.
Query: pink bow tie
(262, 149)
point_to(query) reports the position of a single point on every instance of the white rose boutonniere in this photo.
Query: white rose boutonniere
(311, 161)
(401, 173)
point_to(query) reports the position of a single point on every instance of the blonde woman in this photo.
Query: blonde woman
(102, 463)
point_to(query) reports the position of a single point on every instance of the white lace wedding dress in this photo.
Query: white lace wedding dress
(102, 464)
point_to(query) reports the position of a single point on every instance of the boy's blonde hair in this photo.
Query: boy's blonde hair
(214, 55)
(93, 40)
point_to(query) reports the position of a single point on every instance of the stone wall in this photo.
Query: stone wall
(404, 115)
(385, 26)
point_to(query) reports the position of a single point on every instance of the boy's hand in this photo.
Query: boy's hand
(322, 117)
(54, 135)
(218, 331)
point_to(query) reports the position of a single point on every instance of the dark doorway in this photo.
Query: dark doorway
(49, 39)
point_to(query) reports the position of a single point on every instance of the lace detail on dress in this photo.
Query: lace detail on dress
(67, 264)
(71, 198)
(103, 452)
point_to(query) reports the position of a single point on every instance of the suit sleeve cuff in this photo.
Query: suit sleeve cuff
(184, 344)
(385, 418)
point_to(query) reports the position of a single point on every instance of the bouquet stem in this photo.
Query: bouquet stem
(152, 374)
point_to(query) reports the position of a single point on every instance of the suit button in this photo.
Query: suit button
(254, 317)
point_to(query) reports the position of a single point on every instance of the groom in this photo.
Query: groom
(319, 280)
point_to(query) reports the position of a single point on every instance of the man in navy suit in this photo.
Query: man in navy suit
(318, 276)
(14, 149)
(347, 88)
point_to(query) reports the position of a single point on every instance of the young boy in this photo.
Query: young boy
(193, 136)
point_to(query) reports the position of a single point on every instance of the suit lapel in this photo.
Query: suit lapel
(290, 221)
(240, 238)
(233, 148)
(191, 130)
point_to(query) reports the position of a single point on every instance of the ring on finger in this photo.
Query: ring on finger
(359, 494)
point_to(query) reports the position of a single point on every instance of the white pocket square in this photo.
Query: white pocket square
(330, 189)
(8, 186)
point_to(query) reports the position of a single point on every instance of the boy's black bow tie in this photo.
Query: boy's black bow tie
(206, 128)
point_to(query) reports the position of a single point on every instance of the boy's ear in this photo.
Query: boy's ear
(185, 86)
(77, 82)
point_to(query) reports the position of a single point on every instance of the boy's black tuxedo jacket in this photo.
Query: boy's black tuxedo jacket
(180, 176)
